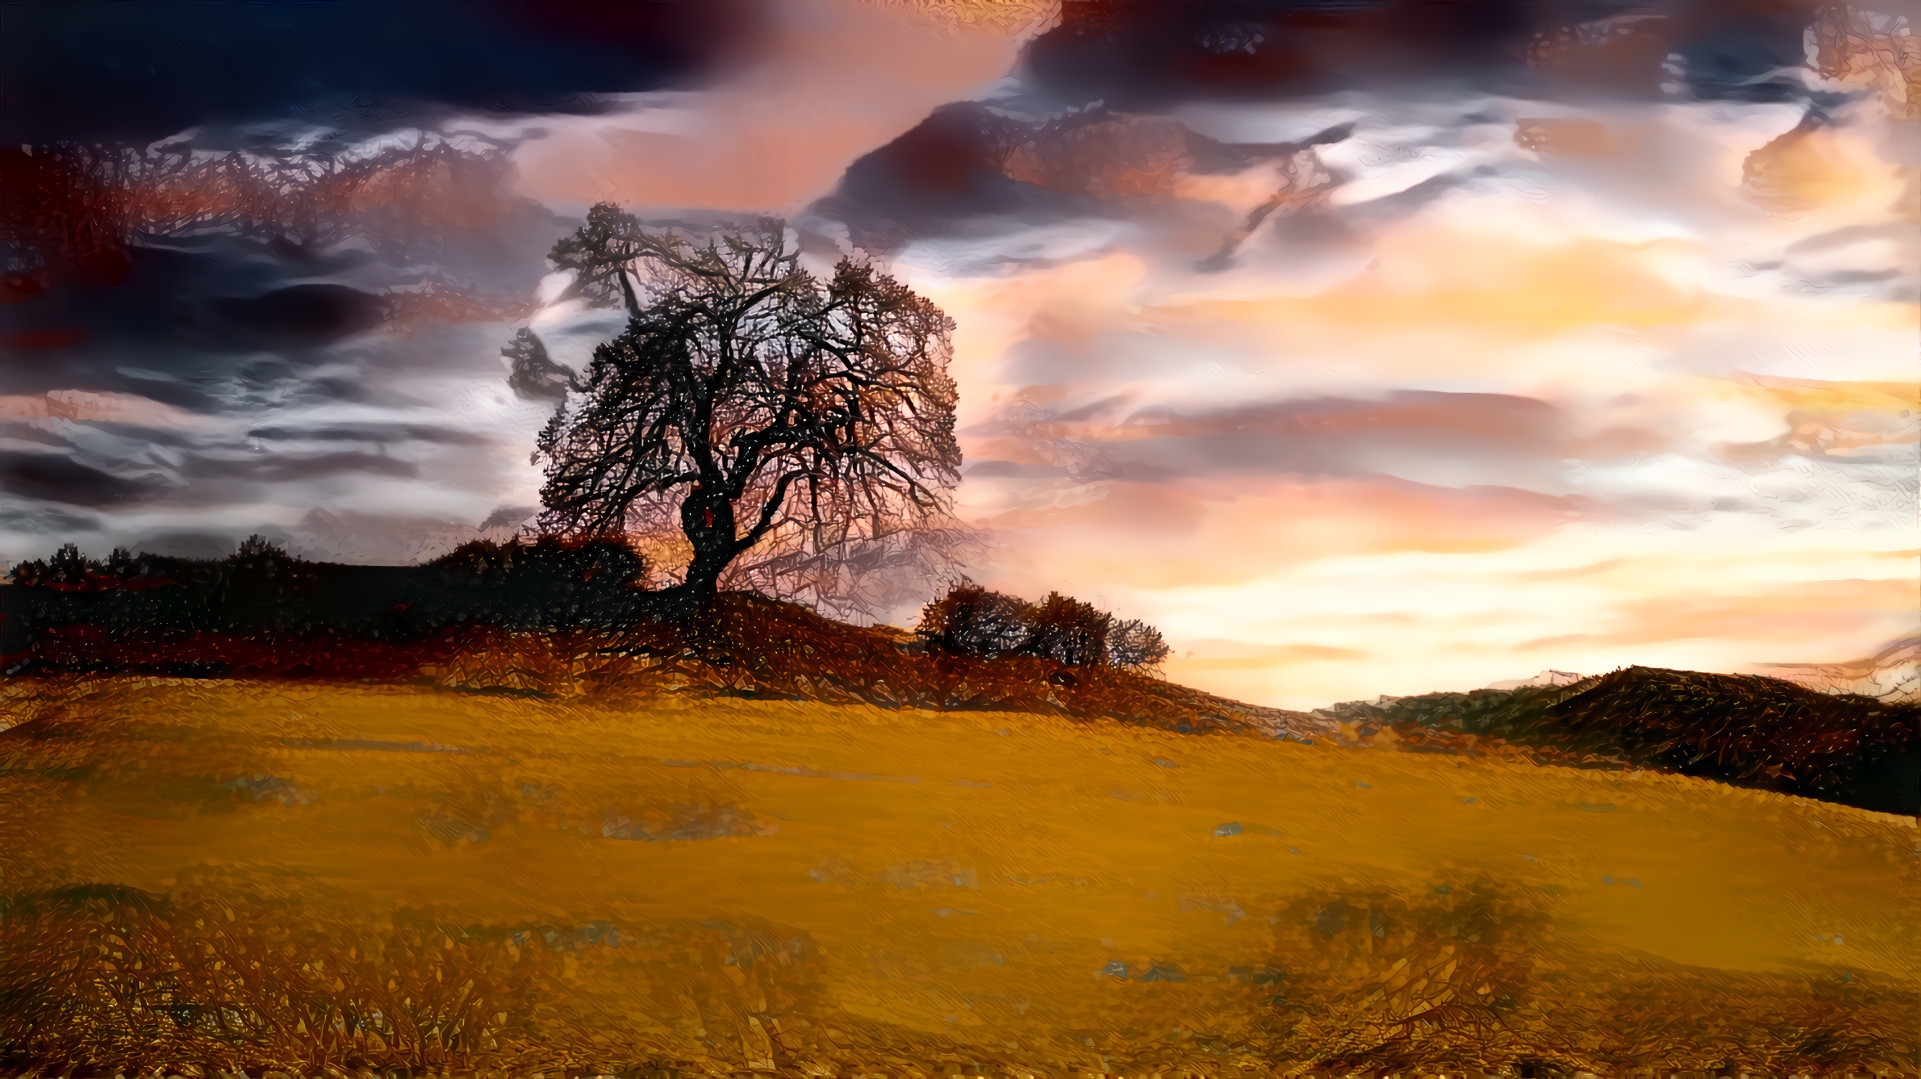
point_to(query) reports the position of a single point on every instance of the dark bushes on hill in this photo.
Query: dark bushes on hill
(1068, 631)
(970, 620)
(1133, 645)
(546, 585)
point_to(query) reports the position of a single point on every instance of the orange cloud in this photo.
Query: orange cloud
(1162, 536)
(1444, 276)
(1239, 657)
(1785, 615)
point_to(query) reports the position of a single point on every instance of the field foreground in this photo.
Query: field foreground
(306, 877)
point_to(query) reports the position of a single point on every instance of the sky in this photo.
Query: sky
(1364, 348)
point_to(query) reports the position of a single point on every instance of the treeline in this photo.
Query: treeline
(972, 621)
(543, 585)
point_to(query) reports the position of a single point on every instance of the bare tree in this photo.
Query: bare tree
(751, 405)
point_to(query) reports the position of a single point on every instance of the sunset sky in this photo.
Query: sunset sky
(1362, 351)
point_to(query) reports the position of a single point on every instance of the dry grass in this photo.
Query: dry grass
(298, 876)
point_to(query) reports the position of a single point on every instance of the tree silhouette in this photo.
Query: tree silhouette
(749, 403)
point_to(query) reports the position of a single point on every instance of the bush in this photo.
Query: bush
(969, 620)
(257, 554)
(1133, 645)
(1069, 632)
(67, 568)
(543, 586)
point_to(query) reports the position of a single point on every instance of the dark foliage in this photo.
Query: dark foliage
(1068, 631)
(972, 621)
(546, 585)
(757, 647)
(1133, 645)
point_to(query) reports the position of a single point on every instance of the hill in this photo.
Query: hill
(747, 646)
(542, 616)
(274, 874)
(549, 617)
(1741, 729)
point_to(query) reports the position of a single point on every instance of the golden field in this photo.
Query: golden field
(308, 877)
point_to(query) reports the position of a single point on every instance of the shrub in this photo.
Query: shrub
(68, 567)
(542, 586)
(1133, 645)
(1069, 632)
(258, 554)
(971, 621)
(608, 562)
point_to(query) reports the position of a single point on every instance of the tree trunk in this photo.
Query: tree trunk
(708, 521)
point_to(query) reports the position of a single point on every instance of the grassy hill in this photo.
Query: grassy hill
(746, 646)
(280, 874)
(1752, 731)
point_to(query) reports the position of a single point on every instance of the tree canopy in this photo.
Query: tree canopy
(753, 406)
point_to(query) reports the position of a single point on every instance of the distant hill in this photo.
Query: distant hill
(1746, 730)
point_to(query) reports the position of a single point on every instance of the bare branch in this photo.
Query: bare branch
(739, 379)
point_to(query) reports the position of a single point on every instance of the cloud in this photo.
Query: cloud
(139, 72)
(58, 478)
(298, 316)
(1444, 439)
(1147, 536)
(833, 79)
(1224, 655)
(1360, 358)
(1499, 355)
(1780, 617)
(1155, 56)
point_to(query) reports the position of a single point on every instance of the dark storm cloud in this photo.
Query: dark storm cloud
(256, 469)
(1137, 55)
(43, 520)
(947, 169)
(134, 72)
(1736, 59)
(297, 367)
(373, 433)
(1087, 129)
(99, 464)
(298, 316)
(203, 319)
(54, 477)
(186, 326)
(970, 161)
(1447, 439)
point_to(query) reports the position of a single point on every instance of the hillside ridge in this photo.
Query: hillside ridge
(1748, 730)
